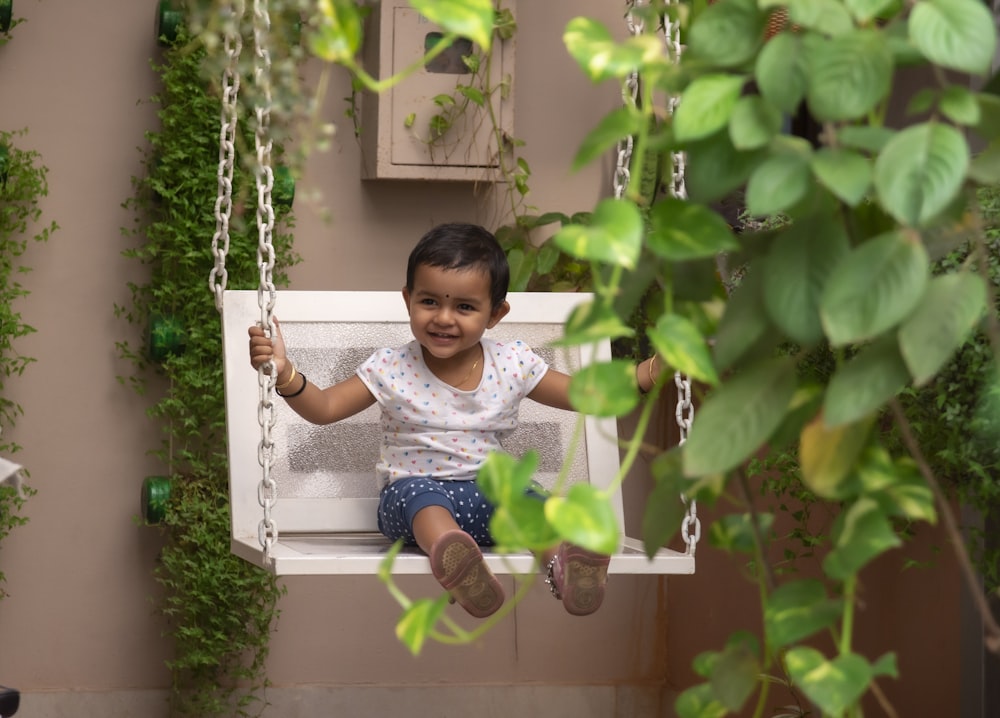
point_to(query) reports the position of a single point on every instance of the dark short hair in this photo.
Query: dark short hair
(463, 246)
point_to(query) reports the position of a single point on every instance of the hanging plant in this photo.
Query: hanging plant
(23, 183)
(219, 608)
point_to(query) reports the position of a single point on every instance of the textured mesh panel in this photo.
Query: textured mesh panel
(338, 461)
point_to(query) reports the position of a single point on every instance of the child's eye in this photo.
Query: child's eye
(428, 302)
(466, 307)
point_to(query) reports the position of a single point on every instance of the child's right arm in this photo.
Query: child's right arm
(319, 406)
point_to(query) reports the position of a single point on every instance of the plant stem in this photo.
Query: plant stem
(847, 628)
(990, 627)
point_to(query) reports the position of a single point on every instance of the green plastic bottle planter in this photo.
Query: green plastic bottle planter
(166, 337)
(283, 190)
(155, 495)
(6, 14)
(4, 161)
(168, 22)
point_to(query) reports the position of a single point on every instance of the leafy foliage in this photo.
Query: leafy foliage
(23, 184)
(843, 318)
(219, 607)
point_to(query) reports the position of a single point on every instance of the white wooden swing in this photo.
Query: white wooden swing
(317, 483)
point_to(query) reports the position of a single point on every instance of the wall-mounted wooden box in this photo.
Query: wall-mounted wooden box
(397, 138)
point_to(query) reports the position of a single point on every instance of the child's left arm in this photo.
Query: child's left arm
(553, 389)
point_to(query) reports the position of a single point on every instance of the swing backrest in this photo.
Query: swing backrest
(327, 495)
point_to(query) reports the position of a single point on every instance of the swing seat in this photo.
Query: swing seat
(325, 508)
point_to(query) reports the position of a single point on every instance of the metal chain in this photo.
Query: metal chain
(630, 93)
(691, 526)
(267, 492)
(672, 38)
(233, 44)
(685, 417)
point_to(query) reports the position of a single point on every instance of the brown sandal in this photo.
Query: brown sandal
(578, 578)
(458, 565)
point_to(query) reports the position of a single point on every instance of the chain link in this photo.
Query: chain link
(233, 44)
(267, 492)
(630, 94)
(691, 526)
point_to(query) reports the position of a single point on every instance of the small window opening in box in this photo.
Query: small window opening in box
(449, 62)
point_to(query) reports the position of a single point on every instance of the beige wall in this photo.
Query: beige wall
(79, 617)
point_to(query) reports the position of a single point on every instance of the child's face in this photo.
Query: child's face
(450, 309)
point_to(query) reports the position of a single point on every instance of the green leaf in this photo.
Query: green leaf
(874, 287)
(679, 342)
(988, 126)
(699, 702)
(861, 533)
(780, 72)
(845, 173)
(866, 10)
(613, 237)
(797, 610)
(503, 478)
(778, 183)
(338, 34)
(828, 17)
(920, 171)
(593, 321)
(605, 388)
(886, 666)
(744, 410)
(795, 272)
(473, 94)
(848, 75)
(601, 58)
(865, 137)
(728, 33)
(584, 517)
(827, 456)
(522, 267)
(960, 105)
(615, 126)
(985, 167)
(744, 322)
(753, 123)
(897, 486)
(735, 675)
(734, 533)
(950, 308)
(664, 511)
(418, 622)
(469, 18)
(680, 231)
(522, 526)
(956, 34)
(834, 685)
(865, 383)
(706, 105)
(715, 168)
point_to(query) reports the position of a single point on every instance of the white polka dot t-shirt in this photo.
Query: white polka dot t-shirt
(430, 428)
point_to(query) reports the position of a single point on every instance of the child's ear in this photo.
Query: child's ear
(406, 299)
(497, 314)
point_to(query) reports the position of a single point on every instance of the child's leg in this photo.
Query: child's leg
(430, 523)
(457, 562)
(424, 511)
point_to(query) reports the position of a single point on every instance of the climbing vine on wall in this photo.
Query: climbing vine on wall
(219, 609)
(23, 184)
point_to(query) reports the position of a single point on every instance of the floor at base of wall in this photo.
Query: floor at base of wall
(494, 701)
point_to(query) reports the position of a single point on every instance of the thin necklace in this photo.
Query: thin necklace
(474, 365)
